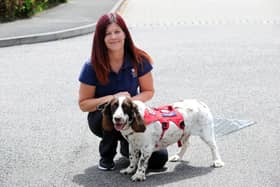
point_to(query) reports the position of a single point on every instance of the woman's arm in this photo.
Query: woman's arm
(87, 102)
(146, 85)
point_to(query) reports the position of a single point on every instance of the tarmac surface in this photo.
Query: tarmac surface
(201, 12)
(231, 66)
(74, 18)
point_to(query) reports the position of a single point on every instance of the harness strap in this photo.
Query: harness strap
(165, 126)
(164, 115)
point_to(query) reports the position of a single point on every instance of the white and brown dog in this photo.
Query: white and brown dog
(181, 119)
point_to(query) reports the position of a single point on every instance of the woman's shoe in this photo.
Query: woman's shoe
(106, 165)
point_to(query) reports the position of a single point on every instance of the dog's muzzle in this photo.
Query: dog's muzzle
(118, 123)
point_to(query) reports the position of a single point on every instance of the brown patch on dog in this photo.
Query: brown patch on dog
(107, 123)
(138, 124)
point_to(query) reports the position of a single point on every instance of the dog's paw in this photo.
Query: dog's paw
(138, 177)
(127, 171)
(174, 158)
(218, 164)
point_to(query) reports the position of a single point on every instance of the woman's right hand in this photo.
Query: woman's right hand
(122, 94)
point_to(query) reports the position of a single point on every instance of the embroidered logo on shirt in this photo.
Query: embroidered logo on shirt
(133, 73)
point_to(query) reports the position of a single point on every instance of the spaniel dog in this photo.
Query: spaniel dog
(148, 130)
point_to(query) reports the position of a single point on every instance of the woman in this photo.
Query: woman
(117, 67)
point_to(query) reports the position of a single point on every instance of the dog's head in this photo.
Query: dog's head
(121, 113)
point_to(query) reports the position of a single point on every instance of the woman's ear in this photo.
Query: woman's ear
(107, 123)
(138, 125)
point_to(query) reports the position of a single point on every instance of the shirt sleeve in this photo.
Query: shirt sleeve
(87, 75)
(144, 68)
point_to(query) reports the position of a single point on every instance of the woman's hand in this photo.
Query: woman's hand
(122, 94)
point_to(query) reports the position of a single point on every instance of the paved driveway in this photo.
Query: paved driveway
(234, 68)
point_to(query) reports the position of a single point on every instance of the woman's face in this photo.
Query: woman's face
(114, 37)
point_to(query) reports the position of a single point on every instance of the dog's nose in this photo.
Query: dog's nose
(117, 119)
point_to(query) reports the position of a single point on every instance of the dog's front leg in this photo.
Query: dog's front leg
(134, 155)
(140, 174)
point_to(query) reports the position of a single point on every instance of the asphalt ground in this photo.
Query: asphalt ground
(234, 68)
(45, 140)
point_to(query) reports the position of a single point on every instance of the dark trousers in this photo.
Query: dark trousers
(109, 142)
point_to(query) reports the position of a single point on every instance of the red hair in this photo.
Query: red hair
(99, 54)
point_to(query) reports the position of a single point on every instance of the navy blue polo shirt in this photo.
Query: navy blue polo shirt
(125, 80)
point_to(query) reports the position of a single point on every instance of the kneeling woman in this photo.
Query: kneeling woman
(116, 67)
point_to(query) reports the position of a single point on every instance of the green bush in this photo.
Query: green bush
(17, 9)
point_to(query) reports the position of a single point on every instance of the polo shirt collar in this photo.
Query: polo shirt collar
(126, 63)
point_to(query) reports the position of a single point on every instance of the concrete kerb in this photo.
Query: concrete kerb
(57, 35)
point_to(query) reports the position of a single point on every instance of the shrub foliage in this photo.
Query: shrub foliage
(17, 9)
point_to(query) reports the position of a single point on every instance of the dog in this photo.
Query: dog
(145, 137)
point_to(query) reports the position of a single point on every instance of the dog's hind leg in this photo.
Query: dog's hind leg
(208, 137)
(185, 143)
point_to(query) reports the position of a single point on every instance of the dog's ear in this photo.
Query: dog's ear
(107, 123)
(138, 124)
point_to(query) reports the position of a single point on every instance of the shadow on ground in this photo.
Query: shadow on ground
(94, 177)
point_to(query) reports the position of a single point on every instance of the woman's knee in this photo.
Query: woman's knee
(158, 159)
(95, 123)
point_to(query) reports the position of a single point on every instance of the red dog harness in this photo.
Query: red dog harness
(164, 115)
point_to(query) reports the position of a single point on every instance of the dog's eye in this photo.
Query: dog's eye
(114, 106)
(124, 107)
